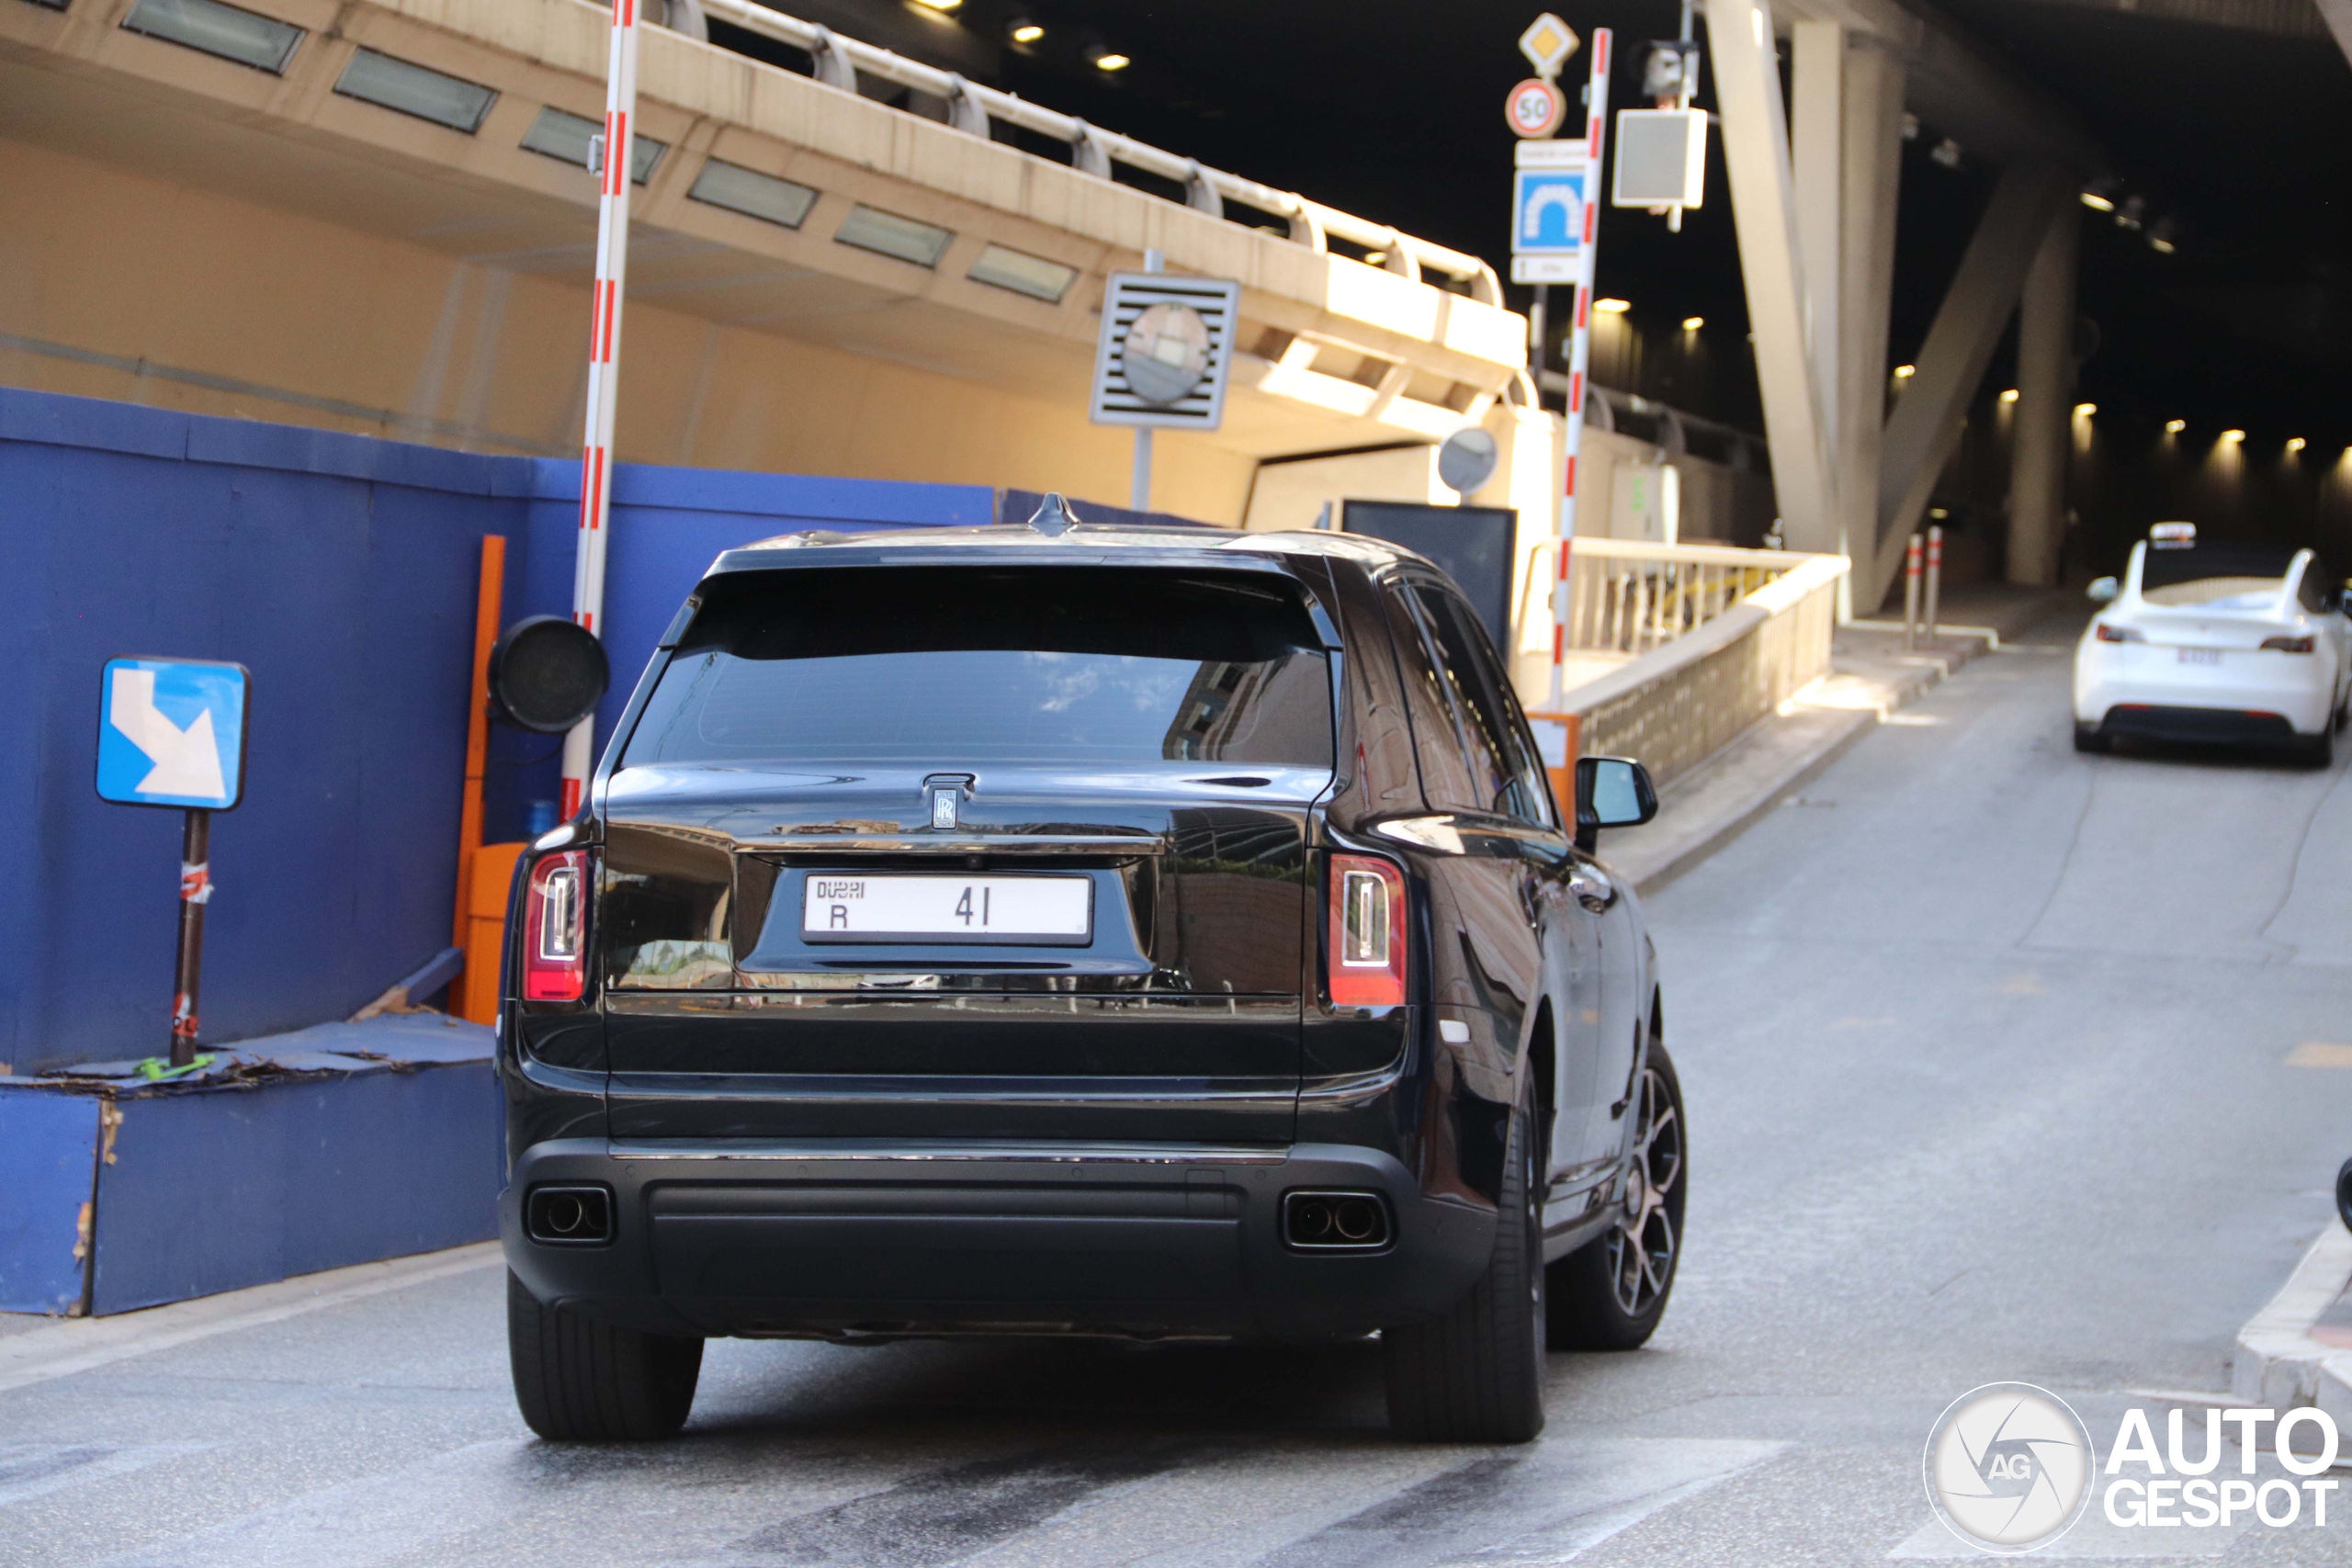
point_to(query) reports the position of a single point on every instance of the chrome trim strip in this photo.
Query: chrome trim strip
(828, 1150)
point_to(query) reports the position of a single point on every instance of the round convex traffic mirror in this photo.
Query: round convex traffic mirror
(546, 675)
(1466, 460)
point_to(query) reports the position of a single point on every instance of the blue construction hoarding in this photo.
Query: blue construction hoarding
(341, 571)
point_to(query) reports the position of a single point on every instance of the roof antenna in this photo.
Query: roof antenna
(1053, 517)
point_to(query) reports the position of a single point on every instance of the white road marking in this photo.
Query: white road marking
(80, 1344)
(34, 1470)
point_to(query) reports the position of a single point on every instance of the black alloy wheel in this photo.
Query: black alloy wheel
(1476, 1375)
(1610, 1293)
(584, 1382)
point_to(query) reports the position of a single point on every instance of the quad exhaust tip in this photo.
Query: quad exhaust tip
(569, 1216)
(1336, 1221)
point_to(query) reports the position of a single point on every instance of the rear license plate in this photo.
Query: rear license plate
(1057, 910)
(2200, 655)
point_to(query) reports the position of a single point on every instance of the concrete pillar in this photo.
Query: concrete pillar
(1742, 50)
(2040, 437)
(1872, 174)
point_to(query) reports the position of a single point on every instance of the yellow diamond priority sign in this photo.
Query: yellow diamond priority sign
(1547, 43)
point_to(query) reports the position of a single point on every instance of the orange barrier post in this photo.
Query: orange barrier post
(482, 870)
(1564, 775)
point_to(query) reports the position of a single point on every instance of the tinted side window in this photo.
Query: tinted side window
(1504, 765)
(1437, 734)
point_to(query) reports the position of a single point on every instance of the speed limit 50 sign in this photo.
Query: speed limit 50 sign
(1535, 108)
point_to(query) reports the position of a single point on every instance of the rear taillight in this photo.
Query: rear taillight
(555, 928)
(2289, 644)
(1366, 967)
(2117, 634)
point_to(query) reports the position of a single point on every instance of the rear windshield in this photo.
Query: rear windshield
(952, 664)
(2208, 574)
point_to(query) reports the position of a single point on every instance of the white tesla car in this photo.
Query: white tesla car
(2214, 642)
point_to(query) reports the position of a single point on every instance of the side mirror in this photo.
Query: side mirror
(2103, 589)
(1612, 792)
(546, 675)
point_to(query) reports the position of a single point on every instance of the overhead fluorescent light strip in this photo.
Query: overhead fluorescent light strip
(396, 85)
(886, 234)
(555, 134)
(1032, 275)
(223, 31)
(753, 194)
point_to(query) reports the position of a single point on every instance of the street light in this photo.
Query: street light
(2233, 435)
(2295, 444)
(1028, 32)
(1613, 307)
(2175, 427)
(1110, 59)
(1693, 323)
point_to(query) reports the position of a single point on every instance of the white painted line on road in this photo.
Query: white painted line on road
(373, 1520)
(80, 1344)
(2094, 1538)
(33, 1469)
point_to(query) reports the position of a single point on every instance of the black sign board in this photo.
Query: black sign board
(1473, 544)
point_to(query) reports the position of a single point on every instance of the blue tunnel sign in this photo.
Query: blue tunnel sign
(1547, 212)
(172, 732)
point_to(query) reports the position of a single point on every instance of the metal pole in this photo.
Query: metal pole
(1579, 351)
(1139, 477)
(1911, 595)
(1536, 320)
(196, 891)
(603, 369)
(1935, 576)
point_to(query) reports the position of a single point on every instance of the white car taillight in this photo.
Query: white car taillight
(2110, 633)
(555, 928)
(1366, 962)
(2290, 644)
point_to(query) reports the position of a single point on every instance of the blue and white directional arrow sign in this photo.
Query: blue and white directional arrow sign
(172, 732)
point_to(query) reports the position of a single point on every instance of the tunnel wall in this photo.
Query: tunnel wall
(342, 571)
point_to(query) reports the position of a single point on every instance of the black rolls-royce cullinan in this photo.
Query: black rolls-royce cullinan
(1082, 930)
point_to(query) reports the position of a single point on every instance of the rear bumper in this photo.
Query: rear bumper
(2132, 689)
(852, 1239)
(2223, 726)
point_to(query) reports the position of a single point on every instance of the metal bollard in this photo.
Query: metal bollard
(1911, 595)
(1935, 577)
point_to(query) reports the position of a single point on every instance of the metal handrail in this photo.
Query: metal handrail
(971, 106)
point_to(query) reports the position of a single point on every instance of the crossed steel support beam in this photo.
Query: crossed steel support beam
(1813, 204)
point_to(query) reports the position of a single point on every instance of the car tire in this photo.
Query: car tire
(2088, 738)
(1610, 1293)
(1476, 1375)
(583, 1381)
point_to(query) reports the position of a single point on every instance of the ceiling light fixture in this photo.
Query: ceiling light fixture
(1613, 307)
(1028, 32)
(1938, 513)
(2175, 427)
(2233, 435)
(2295, 444)
(2010, 396)
(2084, 411)
(2097, 202)
(939, 5)
(1905, 372)
(1112, 62)
(1693, 323)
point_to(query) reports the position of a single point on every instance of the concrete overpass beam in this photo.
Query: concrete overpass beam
(2046, 370)
(1773, 266)
(1926, 424)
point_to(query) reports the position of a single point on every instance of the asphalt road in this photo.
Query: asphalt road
(1984, 1049)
